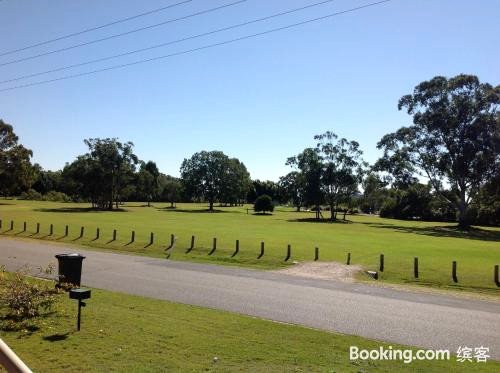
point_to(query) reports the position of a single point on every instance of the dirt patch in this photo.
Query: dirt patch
(323, 271)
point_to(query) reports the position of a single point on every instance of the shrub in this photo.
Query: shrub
(56, 197)
(31, 195)
(263, 203)
(23, 297)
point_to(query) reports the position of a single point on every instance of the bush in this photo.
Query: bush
(31, 195)
(23, 297)
(263, 203)
(57, 197)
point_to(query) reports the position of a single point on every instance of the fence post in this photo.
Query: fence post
(214, 246)
(66, 231)
(132, 237)
(37, 228)
(0, 223)
(348, 259)
(237, 249)
(51, 232)
(172, 240)
(497, 280)
(288, 253)
(192, 245)
(114, 235)
(82, 231)
(12, 225)
(24, 227)
(97, 234)
(261, 250)
(415, 267)
(316, 253)
(381, 263)
(151, 238)
(454, 271)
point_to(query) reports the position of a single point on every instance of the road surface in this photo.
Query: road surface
(412, 318)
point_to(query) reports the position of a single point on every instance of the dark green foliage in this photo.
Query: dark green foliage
(263, 203)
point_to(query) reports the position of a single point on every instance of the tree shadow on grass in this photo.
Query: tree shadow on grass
(442, 231)
(203, 211)
(319, 221)
(78, 209)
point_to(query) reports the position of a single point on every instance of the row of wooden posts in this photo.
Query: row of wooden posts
(237, 249)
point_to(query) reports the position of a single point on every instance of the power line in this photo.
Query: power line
(95, 28)
(168, 43)
(198, 48)
(123, 33)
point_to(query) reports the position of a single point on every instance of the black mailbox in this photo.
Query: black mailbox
(80, 295)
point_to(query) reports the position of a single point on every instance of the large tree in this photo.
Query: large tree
(104, 173)
(454, 141)
(237, 183)
(341, 169)
(16, 172)
(147, 181)
(204, 174)
(292, 187)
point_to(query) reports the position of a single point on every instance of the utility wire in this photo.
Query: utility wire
(167, 43)
(94, 28)
(123, 33)
(199, 48)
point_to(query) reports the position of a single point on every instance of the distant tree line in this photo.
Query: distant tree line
(444, 166)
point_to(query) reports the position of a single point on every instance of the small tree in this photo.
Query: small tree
(263, 203)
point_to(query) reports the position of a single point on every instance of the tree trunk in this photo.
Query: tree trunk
(345, 212)
(172, 204)
(462, 215)
(298, 208)
(332, 213)
(211, 205)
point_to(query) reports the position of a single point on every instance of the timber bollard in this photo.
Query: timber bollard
(348, 259)
(496, 277)
(66, 231)
(51, 231)
(288, 253)
(37, 228)
(24, 227)
(415, 267)
(0, 223)
(192, 245)
(12, 225)
(214, 246)
(261, 250)
(454, 271)
(132, 237)
(97, 234)
(82, 232)
(151, 238)
(316, 254)
(237, 248)
(381, 263)
(114, 235)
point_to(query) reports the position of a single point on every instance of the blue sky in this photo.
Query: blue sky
(260, 100)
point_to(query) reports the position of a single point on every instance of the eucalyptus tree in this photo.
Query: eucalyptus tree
(454, 140)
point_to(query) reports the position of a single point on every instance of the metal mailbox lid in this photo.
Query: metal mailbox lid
(79, 293)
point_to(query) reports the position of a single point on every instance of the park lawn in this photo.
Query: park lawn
(365, 237)
(130, 333)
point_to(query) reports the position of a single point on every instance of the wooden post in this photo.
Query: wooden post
(132, 237)
(237, 249)
(381, 262)
(12, 225)
(316, 254)
(348, 259)
(37, 228)
(172, 240)
(261, 250)
(24, 227)
(114, 235)
(66, 231)
(51, 232)
(214, 246)
(191, 247)
(288, 253)
(495, 276)
(415, 267)
(82, 231)
(0, 223)
(151, 238)
(97, 234)
(454, 271)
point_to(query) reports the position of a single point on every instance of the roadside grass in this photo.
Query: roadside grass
(130, 333)
(365, 237)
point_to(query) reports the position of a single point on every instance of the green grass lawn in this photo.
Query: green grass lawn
(365, 237)
(129, 333)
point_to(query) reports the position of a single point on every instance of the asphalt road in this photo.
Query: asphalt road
(412, 318)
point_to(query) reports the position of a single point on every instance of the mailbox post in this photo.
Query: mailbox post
(80, 295)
